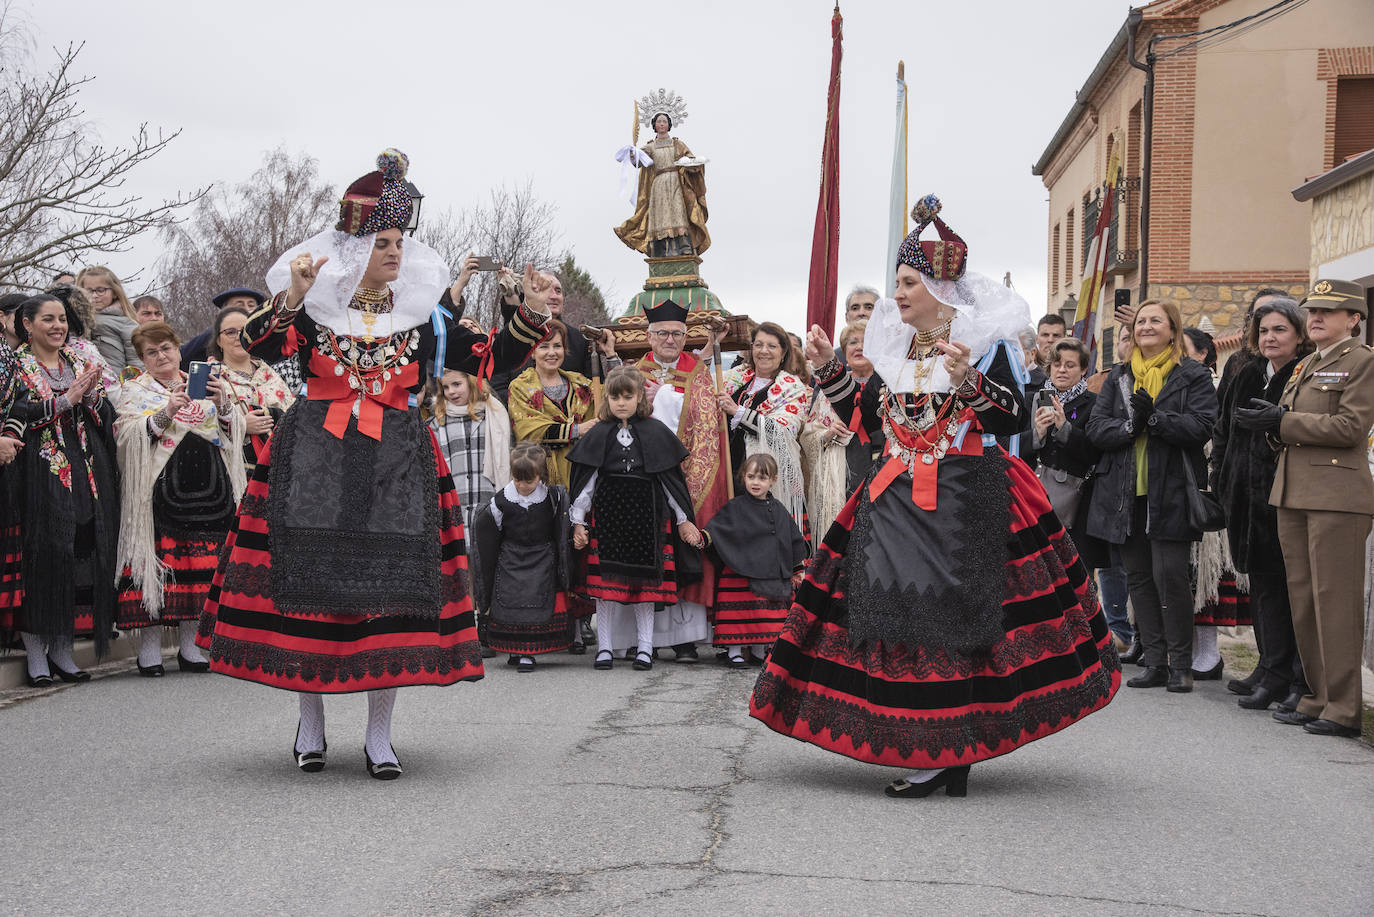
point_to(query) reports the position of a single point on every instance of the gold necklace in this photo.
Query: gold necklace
(371, 303)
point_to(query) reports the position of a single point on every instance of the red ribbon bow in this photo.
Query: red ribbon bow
(482, 350)
(328, 385)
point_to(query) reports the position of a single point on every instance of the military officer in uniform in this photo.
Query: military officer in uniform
(1325, 499)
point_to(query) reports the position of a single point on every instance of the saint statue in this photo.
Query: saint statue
(670, 211)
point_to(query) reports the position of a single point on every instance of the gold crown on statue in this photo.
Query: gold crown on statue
(662, 102)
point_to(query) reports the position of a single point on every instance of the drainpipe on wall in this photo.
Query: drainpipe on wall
(1132, 25)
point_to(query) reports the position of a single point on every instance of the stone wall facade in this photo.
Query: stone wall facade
(1343, 221)
(1224, 303)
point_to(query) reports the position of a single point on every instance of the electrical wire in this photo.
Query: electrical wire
(1218, 34)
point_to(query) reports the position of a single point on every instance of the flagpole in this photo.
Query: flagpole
(897, 191)
(823, 279)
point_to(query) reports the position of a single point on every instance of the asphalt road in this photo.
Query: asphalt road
(571, 791)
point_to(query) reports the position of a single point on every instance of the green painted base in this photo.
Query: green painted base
(678, 280)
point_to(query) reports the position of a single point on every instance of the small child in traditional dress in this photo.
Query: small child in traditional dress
(632, 509)
(762, 558)
(520, 561)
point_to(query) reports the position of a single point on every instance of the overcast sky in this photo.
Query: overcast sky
(484, 93)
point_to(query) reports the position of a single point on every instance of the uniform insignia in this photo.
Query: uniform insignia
(1322, 287)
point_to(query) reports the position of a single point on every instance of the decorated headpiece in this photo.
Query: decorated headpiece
(667, 311)
(662, 102)
(942, 260)
(378, 200)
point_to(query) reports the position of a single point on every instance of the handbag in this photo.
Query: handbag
(1204, 510)
(1065, 492)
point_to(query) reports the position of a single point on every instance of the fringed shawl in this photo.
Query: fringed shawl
(143, 457)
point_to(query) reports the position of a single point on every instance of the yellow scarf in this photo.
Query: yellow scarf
(1149, 375)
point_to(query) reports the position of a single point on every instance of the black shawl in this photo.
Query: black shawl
(758, 540)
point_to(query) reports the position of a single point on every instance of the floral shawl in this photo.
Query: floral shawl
(51, 438)
(263, 388)
(779, 419)
(540, 419)
(142, 457)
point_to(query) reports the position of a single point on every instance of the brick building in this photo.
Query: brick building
(1241, 115)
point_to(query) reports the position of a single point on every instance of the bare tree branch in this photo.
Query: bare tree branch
(233, 237)
(60, 198)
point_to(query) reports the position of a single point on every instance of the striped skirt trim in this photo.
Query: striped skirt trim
(191, 564)
(744, 617)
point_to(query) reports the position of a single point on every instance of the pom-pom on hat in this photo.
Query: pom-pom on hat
(942, 260)
(378, 200)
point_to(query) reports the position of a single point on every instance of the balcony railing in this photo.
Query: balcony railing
(1119, 260)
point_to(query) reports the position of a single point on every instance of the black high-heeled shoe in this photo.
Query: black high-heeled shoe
(311, 762)
(70, 677)
(150, 671)
(382, 770)
(186, 665)
(953, 779)
(40, 681)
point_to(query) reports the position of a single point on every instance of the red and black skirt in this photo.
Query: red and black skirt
(531, 639)
(191, 563)
(1231, 607)
(743, 617)
(612, 587)
(248, 636)
(934, 705)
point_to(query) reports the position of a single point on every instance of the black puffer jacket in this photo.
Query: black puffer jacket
(1243, 465)
(1184, 415)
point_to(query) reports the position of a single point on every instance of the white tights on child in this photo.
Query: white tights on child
(608, 613)
(1205, 652)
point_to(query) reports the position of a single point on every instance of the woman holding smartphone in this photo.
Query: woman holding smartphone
(181, 454)
(261, 394)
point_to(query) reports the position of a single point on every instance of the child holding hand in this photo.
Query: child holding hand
(631, 510)
(762, 558)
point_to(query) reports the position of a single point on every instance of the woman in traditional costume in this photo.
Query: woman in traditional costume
(261, 394)
(946, 618)
(766, 406)
(182, 476)
(550, 405)
(65, 487)
(346, 570)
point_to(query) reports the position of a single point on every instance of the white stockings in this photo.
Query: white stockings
(149, 647)
(189, 651)
(37, 653)
(379, 707)
(1205, 652)
(311, 734)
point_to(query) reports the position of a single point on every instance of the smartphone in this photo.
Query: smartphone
(196, 379)
(1044, 399)
(487, 263)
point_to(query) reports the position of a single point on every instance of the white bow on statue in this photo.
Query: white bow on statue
(631, 157)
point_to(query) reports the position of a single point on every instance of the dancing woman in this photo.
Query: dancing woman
(346, 569)
(946, 618)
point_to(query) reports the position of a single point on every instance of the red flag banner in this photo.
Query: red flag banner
(823, 283)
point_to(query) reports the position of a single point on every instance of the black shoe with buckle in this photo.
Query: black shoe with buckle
(953, 779)
(382, 770)
(311, 762)
(644, 661)
(605, 659)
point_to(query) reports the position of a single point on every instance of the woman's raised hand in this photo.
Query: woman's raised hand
(304, 272)
(455, 292)
(819, 350)
(956, 361)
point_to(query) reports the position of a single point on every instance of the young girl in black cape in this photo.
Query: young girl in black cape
(762, 557)
(632, 510)
(520, 560)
